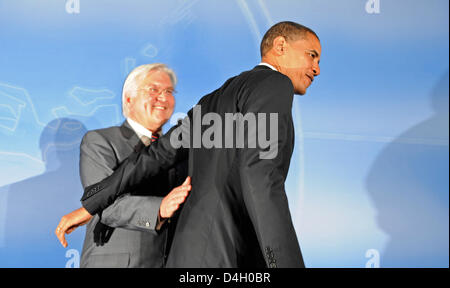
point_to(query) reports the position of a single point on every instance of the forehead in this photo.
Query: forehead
(309, 42)
(158, 78)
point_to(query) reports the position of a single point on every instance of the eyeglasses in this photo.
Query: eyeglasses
(154, 91)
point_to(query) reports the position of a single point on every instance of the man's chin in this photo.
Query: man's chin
(162, 121)
(300, 88)
(300, 92)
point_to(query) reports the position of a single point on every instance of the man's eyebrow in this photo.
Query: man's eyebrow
(314, 52)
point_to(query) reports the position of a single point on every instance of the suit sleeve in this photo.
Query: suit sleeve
(97, 161)
(263, 174)
(133, 212)
(161, 155)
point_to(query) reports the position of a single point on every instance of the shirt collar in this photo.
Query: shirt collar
(268, 65)
(139, 129)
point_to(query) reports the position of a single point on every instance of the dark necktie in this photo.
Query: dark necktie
(146, 140)
(154, 137)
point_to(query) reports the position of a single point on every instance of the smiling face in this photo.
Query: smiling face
(149, 108)
(299, 60)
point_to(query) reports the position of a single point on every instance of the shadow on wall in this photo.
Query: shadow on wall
(409, 186)
(35, 205)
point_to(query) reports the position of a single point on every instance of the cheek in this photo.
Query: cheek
(139, 104)
(145, 108)
(147, 104)
(171, 104)
(298, 75)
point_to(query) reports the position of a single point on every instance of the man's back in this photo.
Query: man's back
(225, 222)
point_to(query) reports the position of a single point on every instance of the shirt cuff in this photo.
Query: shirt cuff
(160, 222)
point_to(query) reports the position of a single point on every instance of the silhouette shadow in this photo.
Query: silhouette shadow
(35, 205)
(409, 185)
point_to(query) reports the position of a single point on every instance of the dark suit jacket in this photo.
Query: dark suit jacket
(123, 235)
(237, 214)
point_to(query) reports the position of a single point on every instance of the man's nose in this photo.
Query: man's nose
(162, 97)
(316, 70)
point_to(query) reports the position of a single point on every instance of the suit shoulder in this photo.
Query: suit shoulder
(266, 80)
(268, 90)
(271, 78)
(101, 135)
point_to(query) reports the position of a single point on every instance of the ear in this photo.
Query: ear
(279, 45)
(128, 102)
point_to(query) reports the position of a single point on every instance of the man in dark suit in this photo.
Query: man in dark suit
(237, 214)
(125, 234)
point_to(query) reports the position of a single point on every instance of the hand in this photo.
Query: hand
(174, 199)
(70, 222)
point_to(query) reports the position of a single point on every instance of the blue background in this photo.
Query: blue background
(368, 184)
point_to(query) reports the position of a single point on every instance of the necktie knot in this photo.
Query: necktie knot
(147, 140)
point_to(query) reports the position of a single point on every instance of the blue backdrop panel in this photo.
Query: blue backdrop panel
(368, 184)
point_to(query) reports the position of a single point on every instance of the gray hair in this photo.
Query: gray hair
(138, 73)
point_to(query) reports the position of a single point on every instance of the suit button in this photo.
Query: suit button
(147, 224)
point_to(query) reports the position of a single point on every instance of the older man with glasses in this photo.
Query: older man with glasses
(131, 232)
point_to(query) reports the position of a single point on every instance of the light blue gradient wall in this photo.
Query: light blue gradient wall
(370, 166)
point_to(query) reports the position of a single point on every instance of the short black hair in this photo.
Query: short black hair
(287, 29)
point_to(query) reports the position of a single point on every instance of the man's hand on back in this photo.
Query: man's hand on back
(174, 199)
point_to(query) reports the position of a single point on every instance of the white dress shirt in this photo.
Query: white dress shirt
(139, 129)
(268, 65)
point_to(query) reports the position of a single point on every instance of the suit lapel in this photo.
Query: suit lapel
(128, 133)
